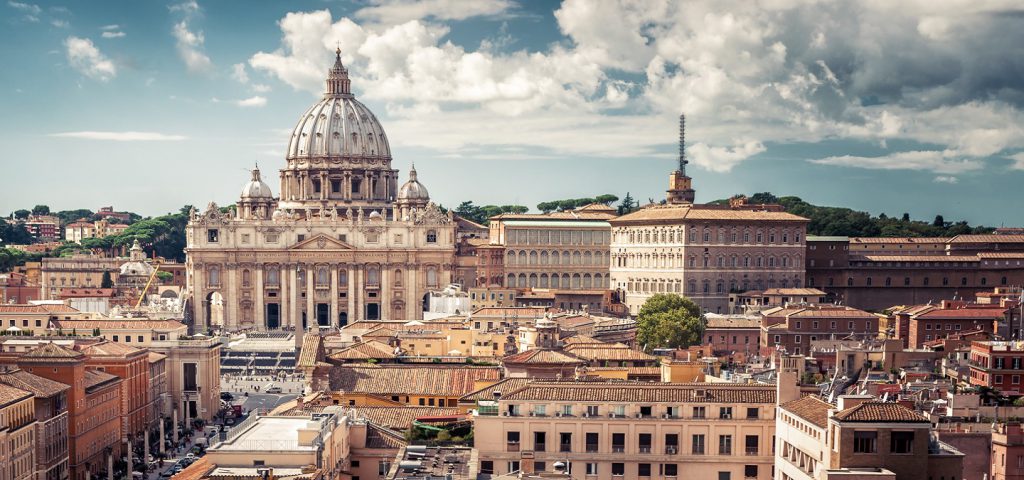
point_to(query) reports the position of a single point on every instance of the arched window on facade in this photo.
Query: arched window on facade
(246, 278)
(273, 276)
(343, 277)
(372, 275)
(432, 277)
(398, 278)
(213, 277)
(323, 277)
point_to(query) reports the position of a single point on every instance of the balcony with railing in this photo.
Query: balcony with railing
(565, 447)
(671, 450)
(618, 448)
(751, 451)
(540, 447)
(591, 448)
(645, 449)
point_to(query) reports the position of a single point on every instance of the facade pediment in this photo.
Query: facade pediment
(321, 242)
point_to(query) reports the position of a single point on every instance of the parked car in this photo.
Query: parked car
(226, 396)
(274, 390)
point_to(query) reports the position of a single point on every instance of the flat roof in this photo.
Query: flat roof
(558, 223)
(270, 434)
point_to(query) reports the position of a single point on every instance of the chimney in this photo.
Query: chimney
(300, 402)
(850, 401)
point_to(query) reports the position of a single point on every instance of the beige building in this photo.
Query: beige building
(192, 373)
(76, 271)
(51, 414)
(606, 430)
(705, 252)
(17, 434)
(559, 250)
(342, 242)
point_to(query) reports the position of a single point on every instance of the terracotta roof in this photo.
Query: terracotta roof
(311, 351)
(987, 239)
(828, 312)
(633, 371)
(111, 349)
(963, 313)
(156, 357)
(504, 386)
(810, 408)
(1001, 254)
(880, 412)
(582, 340)
(95, 378)
(9, 394)
(609, 352)
(733, 322)
(545, 357)
(196, 471)
(119, 324)
(400, 418)
(521, 312)
(380, 437)
(39, 386)
(49, 351)
(599, 392)
(40, 309)
(899, 239)
(364, 351)
(678, 213)
(793, 291)
(914, 258)
(433, 379)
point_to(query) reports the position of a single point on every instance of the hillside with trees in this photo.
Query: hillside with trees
(847, 222)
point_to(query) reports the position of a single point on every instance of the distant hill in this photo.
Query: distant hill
(851, 223)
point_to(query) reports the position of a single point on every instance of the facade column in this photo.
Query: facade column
(360, 291)
(324, 186)
(199, 299)
(385, 292)
(346, 186)
(231, 320)
(414, 305)
(293, 278)
(163, 436)
(284, 289)
(310, 297)
(259, 307)
(351, 289)
(334, 314)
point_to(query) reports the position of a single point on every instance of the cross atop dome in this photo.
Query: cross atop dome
(337, 78)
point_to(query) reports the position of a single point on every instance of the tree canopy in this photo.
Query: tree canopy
(847, 222)
(480, 214)
(574, 203)
(669, 321)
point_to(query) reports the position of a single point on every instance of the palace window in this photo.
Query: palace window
(431, 236)
(212, 235)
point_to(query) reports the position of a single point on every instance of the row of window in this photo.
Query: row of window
(618, 469)
(573, 282)
(642, 411)
(673, 260)
(888, 282)
(533, 257)
(322, 276)
(213, 236)
(644, 444)
(556, 237)
(706, 235)
(720, 288)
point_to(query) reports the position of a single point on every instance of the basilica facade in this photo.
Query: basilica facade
(342, 242)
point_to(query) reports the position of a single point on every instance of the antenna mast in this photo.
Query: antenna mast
(682, 144)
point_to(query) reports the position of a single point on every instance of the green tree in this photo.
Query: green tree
(628, 204)
(106, 282)
(40, 210)
(939, 221)
(669, 321)
(606, 199)
(164, 276)
(14, 234)
(22, 214)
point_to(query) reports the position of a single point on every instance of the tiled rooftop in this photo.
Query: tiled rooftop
(39, 386)
(633, 392)
(880, 412)
(536, 357)
(810, 408)
(433, 380)
(9, 394)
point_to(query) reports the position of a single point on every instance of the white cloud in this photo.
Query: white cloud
(112, 34)
(120, 136)
(27, 8)
(88, 60)
(60, 23)
(112, 26)
(190, 42)
(1018, 161)
(946, 179)
(254, 101)
(238, 73)
(399, 11)
(947, 161)
(746, 73)
(190, 48)
(723, 159)
(260, 88)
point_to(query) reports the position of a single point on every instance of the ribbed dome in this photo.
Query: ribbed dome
(338, 125)
(256, 188)
(413, 190)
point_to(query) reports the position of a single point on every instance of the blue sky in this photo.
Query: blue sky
(882, 106)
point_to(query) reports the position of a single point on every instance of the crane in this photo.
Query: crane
(142, 296)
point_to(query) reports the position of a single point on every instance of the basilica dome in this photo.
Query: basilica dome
(338, 125)
(256, 189)
(413, 190)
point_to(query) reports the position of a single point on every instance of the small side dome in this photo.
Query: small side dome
(413, 191)
(256, 189)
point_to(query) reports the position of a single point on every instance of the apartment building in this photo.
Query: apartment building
(1007, 451)
(792, 329)
(616, 430)
(919, 325)
(998, 365)
(17, 434)
(51, 428)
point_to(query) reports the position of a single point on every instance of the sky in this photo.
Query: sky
(914, 106)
